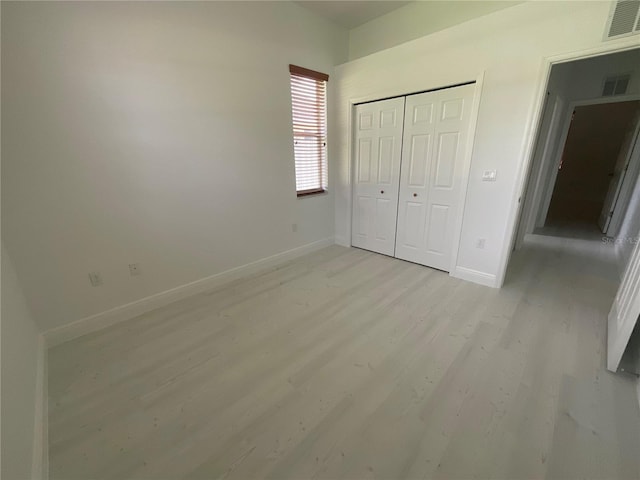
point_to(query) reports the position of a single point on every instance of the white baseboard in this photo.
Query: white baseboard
(475, 276)
(342, 241)
(131, 310)
(40, 462)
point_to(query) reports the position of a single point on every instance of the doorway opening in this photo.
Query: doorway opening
(581, 204)
(586, 159)
(593, 166)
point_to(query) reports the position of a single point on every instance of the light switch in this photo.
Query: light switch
(489, 175)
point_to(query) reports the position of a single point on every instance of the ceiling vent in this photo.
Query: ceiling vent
(615, 85)
(624, 19)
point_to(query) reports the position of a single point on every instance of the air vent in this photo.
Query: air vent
(615, 85)
(624, 19)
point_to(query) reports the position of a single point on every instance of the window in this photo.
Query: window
(309, 114)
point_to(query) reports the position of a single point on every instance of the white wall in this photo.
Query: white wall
(21, 342)
(509, 48)
(151, 132)
(416, 20)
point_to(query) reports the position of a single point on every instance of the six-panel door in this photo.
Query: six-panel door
(434, 142)
(377, 150)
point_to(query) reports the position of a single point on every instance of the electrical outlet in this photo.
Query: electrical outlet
(134, 269)
(294, 227)
(95, 278)
(480, 243)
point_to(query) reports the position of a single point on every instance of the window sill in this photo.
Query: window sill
(308, 193)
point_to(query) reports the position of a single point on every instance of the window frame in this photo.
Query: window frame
(320, 132)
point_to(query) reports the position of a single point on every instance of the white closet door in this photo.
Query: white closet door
(377, 149)
(435, 139)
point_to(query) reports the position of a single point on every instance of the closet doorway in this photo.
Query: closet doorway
(409, 155)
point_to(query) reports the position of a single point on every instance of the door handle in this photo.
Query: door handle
(415, 194)
(381, 191)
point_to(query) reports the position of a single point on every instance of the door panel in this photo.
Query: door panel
(363, 207)
(366, 120)
(378, 145)
(385, 226)
(385, 166)
(388, 118)
(437, 229)
(423, 113)
(364, 160)
(420, 152)
(446, 159)
(452, 109)
(431, 178)
(414, 221)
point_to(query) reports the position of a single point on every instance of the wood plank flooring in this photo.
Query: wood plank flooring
(348, 364)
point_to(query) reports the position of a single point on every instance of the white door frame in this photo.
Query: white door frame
(611, 46)
(466, 164)
(539, 173)
(566, 125)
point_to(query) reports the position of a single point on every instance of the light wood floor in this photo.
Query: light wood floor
(348, 364)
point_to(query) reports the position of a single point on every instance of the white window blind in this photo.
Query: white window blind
(309, 115)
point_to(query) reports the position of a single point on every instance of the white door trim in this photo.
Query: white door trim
(550, 159)
(542, 209)
(528, 144)
(466, 167)
(537, 177)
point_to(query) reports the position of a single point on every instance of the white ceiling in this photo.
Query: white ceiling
(351, 14)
